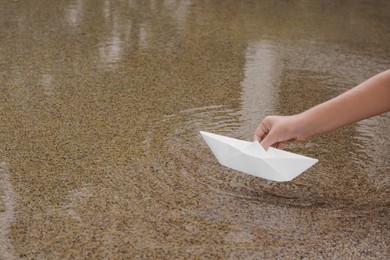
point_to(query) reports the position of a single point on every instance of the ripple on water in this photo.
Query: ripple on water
(195, 167)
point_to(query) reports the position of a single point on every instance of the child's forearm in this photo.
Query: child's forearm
(370, 98)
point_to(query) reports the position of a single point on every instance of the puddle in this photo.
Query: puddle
(101, 106)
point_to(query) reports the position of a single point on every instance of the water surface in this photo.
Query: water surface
(100, 108)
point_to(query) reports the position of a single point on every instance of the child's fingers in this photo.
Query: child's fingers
(259, 134)
(268, 140)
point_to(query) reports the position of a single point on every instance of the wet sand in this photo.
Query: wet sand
(100, 108)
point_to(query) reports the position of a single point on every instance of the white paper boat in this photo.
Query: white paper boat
(251, 158)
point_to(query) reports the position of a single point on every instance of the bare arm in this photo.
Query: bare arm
(370, 98)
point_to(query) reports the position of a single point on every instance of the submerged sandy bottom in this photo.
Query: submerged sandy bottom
(101, 104)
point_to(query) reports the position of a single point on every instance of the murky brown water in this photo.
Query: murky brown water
(100, 107)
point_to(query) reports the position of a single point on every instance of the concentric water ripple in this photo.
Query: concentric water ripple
(195, 166)
(186, 178)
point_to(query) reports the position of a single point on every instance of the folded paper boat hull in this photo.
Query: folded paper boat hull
(250, 158)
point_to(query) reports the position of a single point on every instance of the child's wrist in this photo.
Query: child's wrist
(304, 128)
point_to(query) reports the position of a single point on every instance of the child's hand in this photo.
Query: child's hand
(276, 131)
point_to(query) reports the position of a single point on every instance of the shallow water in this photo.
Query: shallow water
(100, 108)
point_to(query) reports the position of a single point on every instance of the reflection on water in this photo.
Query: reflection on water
(260, 84)
(111, 50)
(75, 12)
(101, 104)
(47, 84)
(179, 10)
